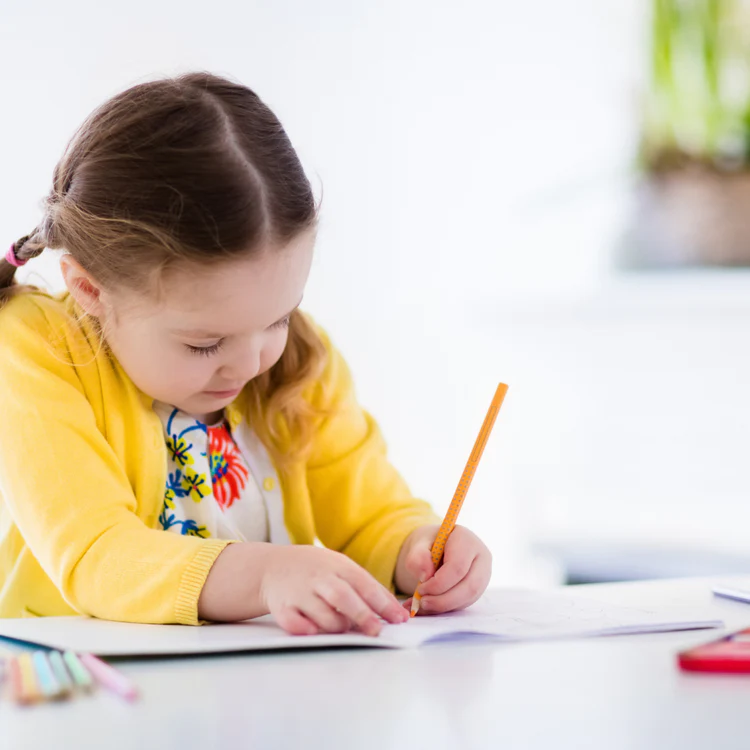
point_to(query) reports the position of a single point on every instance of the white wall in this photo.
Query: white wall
(473, 158)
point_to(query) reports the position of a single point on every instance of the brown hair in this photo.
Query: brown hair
(195, 168)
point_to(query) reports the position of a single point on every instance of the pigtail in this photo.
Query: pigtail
(22, 250)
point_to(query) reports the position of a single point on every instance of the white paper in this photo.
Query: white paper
(531, 615)
(500, 614)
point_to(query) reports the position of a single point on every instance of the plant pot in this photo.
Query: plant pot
(690, 216)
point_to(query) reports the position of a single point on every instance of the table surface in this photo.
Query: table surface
(616, 692)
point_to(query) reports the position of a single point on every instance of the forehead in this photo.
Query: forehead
(235, 295)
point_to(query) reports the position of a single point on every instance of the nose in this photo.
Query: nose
(243, 366)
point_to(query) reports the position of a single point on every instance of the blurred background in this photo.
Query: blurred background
(556, 195)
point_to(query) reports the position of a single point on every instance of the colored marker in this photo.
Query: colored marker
(46, 679)
(80, 674)
(60, 672)
(29, 691)
(110, 677)
(16, 681)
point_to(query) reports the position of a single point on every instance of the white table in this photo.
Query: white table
(604, 694)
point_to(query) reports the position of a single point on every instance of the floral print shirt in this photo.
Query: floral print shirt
(210, 490)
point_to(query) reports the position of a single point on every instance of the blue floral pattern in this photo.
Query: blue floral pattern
(207, 481)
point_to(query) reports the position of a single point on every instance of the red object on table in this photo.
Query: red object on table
(728, 654)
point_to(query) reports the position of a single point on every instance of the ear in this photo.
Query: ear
(82, 286)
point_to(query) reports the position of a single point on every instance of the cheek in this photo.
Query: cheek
(272, 352)
(161, 369)
(174, 376)
(190, 372)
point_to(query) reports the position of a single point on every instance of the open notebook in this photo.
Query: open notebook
(510, 615)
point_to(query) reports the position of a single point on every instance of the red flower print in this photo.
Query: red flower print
(229, 473)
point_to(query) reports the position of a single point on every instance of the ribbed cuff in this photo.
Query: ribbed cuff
(193, 580)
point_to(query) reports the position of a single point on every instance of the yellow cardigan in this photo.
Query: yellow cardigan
(83, 471)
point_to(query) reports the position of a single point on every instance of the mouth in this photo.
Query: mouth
(224, 394)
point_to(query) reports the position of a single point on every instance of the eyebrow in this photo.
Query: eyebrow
(200, 333)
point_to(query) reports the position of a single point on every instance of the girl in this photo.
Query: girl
(176, 433)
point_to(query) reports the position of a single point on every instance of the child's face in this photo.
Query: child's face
(211, 331)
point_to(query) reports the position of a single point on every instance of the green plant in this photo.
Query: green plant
(697, 104)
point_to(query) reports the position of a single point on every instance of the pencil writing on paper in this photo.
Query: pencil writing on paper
(451, 516)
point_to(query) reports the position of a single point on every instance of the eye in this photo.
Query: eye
(205, 351)
(283, 323)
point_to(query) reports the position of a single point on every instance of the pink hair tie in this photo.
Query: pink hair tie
(12, 258)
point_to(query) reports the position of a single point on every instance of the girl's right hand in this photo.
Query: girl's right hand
(310, 590)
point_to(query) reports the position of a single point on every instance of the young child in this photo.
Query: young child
(175, 432)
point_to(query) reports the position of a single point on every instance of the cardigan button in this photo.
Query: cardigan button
(269, 485)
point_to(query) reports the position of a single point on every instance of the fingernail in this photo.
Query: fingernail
(424, 605)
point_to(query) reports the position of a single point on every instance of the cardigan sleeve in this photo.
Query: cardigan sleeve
(69, 495)
(361, 505)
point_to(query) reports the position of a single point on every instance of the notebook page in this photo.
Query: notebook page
(505, 614)
(529, 615)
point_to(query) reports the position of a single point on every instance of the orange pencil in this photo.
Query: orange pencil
(449, 522)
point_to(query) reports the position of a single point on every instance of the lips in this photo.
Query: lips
(224, 394)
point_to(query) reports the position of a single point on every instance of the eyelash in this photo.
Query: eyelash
(207, 351)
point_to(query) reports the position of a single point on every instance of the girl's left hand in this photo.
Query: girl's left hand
(460, 580)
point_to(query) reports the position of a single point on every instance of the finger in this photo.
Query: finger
(295, 623)
(463, 594)
(454, 569)
(376, 597)
(324, 615)
(340, 595)
(419, 563)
